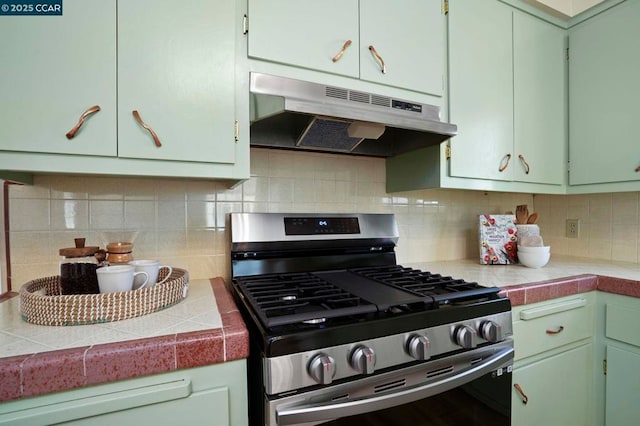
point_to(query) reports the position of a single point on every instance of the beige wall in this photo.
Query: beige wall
(183, 222)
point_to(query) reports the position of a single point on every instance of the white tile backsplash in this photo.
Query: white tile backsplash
(609, 224)
(183, 222)
(29, 214)
(69, 214)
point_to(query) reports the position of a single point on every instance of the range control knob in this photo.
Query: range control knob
(363, 359)
(491, 331)
(322, 368)
(465, 336)
(418, 347)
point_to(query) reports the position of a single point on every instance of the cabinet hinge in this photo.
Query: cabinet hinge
(445, 7)
(604, 366)
(447, 152)
(245, 24)
(236, 131)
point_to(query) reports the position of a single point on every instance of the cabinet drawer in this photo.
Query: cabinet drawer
(621, 324)
(544, 326)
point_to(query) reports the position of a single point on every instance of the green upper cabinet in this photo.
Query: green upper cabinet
(507, 79)
(176, 68)
(306, 33)
(54, 68)
(481, 88)
(409, 37)
(354, 38)
(604, 92)
(182, 69)
(540, 101)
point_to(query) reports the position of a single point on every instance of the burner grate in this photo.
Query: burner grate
(443, 289)
(299, 297)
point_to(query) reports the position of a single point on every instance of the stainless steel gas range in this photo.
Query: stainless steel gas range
(340, 332)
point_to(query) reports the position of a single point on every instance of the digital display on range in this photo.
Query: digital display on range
(321, 225)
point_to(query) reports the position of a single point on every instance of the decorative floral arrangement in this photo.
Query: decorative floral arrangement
(498, 237)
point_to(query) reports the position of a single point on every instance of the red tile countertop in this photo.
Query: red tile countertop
(52, 371)
(57, 370)
(524, 294)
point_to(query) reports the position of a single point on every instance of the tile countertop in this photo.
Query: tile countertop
(205, 328)
(562, 276)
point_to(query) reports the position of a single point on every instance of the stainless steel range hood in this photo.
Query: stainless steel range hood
(295, 114)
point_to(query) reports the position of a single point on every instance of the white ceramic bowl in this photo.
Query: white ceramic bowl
(543, 249)
(534, 259)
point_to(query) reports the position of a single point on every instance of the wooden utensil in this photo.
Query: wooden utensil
(533, 218)
(522, 213)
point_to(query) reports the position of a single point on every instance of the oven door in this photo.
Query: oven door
(469, 388)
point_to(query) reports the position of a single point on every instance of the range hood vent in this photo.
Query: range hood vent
(295, 114)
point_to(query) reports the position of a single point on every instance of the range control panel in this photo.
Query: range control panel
(321, 225)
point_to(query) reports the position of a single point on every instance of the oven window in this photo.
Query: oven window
(484, 402)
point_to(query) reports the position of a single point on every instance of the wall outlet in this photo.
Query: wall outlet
(573, 228)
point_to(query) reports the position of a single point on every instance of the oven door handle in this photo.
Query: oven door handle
(329, 411)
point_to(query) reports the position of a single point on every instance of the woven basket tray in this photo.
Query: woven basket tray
(41, 302)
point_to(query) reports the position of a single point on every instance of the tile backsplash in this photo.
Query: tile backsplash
(184, 222)
(609, 224)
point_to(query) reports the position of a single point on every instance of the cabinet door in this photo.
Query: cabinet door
(210, 407)
(622, 387)
(540, 106)
(481, 89)
(59, 67)
(306, 33)
(603, 97)
(558, 389)
(176, 68)
(409, 37)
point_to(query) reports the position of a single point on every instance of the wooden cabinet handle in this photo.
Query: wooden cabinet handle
(71, 133)
(524, 396)
(345, 46)
(156, 140)
(556, 331)
(373, 50)
(527, 168)
(637, 169)
(505, 163)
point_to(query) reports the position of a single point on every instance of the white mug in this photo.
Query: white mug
(115, 278)
(152, 268)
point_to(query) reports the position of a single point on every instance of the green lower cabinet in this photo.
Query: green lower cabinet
(622, 407)
(556, 390)
(211, 395)
(621, 350)
(553, 365)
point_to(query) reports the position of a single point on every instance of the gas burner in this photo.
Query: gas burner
(444, 290)
(299, 298)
